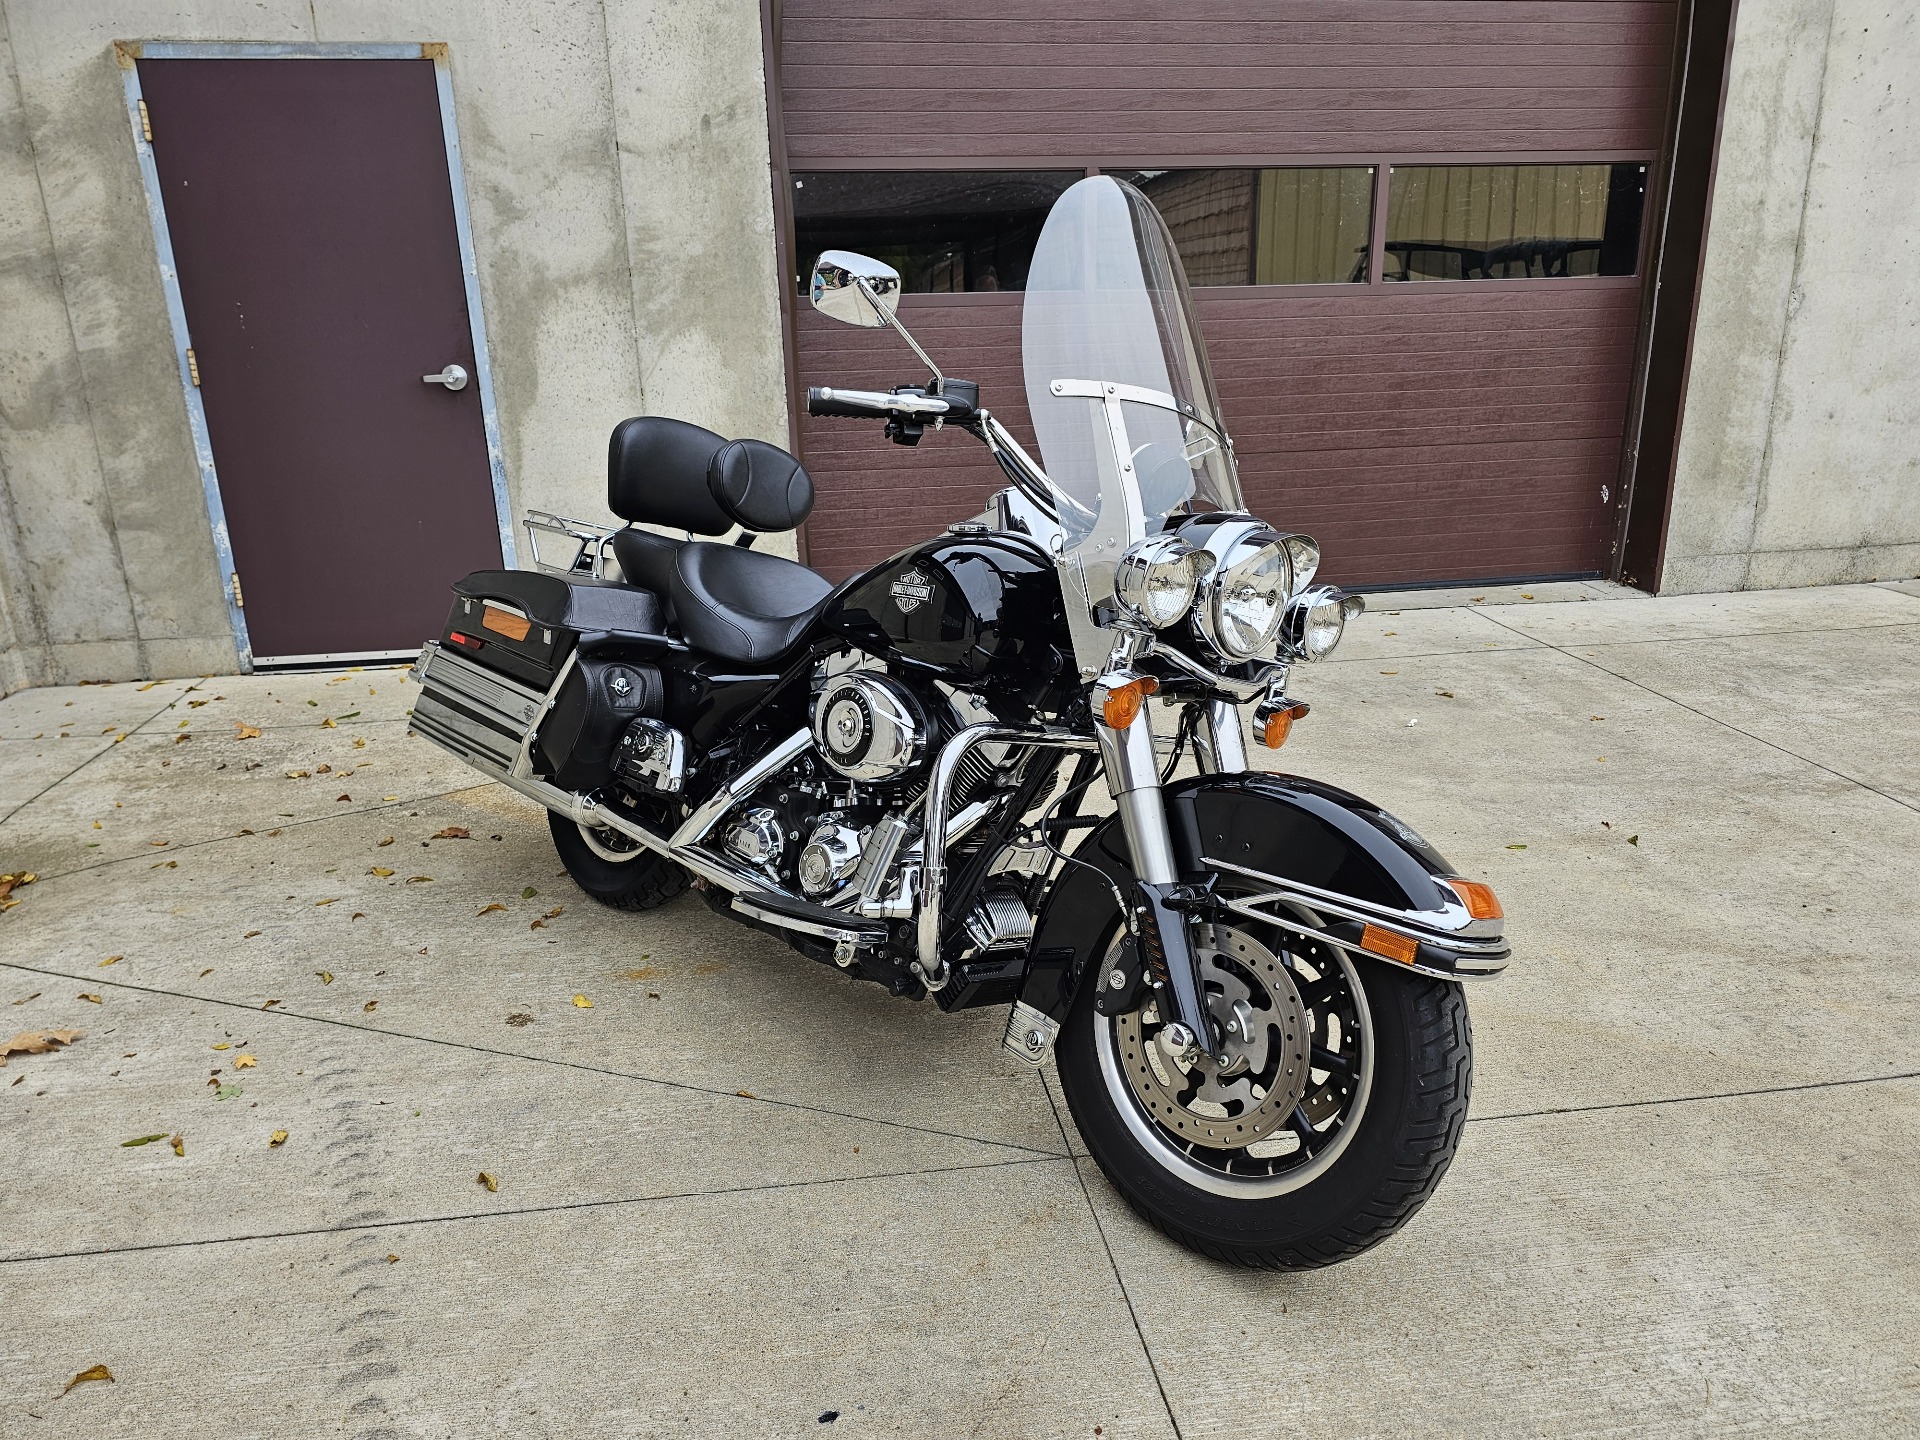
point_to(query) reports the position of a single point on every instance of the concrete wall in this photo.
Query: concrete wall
(617, 165)
(1799, 460)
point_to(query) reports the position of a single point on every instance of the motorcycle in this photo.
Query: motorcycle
(942, 776)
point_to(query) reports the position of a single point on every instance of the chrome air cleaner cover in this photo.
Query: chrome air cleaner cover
(868, 727)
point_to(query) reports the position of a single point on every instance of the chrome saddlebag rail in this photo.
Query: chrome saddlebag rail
(478, 714)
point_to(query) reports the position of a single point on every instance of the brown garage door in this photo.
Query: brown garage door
(311, 214)
(1443, 400)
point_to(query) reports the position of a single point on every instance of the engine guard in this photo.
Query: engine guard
(1320, 862)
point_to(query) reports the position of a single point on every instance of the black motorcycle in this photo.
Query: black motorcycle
(942, 776)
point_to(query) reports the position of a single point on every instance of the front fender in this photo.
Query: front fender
(1320, 862)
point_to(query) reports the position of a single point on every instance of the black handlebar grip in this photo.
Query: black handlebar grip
(821, 401)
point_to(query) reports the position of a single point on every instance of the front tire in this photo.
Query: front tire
(613, 869)
(1387, 1134)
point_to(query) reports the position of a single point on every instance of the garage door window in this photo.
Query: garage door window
(1513, 222)
(945, 231)
(1299, 225)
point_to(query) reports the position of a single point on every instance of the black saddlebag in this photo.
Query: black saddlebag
(524, 623)
(598, 700)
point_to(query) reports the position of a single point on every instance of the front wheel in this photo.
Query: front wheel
(1336, 1112)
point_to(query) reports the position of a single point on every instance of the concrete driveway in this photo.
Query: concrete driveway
(741, 1195)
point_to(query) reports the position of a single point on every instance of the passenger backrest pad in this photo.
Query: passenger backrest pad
(760, 485)
(657, 471)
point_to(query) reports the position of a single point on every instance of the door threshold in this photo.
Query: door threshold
(328, 662)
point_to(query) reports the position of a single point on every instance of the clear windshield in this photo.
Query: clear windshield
(1122, 399)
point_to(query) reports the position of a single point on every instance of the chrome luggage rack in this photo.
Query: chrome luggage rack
(588, 541)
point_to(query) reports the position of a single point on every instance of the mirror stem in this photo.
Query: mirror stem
(939, 380)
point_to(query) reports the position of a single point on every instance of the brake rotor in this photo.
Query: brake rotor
(1252, 1093)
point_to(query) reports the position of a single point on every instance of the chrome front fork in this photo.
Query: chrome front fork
(1158, 921)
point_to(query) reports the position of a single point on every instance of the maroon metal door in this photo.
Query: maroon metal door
(312, 223)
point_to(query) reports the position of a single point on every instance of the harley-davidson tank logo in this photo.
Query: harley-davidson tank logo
(912, 590)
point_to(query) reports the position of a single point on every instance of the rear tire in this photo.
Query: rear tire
(644, 881)
(1402, 1142)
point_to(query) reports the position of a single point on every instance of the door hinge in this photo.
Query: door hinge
(193, 367)
(239, 600)
(146, 124)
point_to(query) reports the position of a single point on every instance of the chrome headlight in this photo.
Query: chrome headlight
(1244, 600)
(1304, 551)
(1316, 620)
(1157, 579)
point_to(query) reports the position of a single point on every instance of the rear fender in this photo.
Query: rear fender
(1310, 858)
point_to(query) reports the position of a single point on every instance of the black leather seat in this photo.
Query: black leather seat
(729, 601)
(742, 605)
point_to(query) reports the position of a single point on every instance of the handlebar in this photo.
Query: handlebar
(864, 404)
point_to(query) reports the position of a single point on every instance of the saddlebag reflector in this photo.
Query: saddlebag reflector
(479, 714)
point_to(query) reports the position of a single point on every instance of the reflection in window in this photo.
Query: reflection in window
(1293, 226)
(944, 230)
(1506, 222)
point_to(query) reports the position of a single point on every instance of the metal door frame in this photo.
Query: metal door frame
(128, 54)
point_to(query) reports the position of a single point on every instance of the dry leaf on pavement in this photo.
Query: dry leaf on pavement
(452, 832)
(247, 732)
(279, 1139)
(142, 1140)
(419, 879)
(387, 841)
(489, 909)
(92, 1372)
(91, 999)
(179, 1142)
(371, 1006)
(244, 1062)
(581, 1002)
(381, 870)
(113, 960)
(38, 1042)
(487, 1180)
(326, 976)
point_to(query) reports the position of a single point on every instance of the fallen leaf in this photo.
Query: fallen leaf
(581, 1002)
(1633, 839)
(393, 1259)
(142, 1140)
(359, 915)
(326, 976)
(323, 769)
(250, 934)
(370, 1006)
(387, 841)
(338, 798)
(746, 1095)
(246, 731)
(419, 879)
(487, 1180)
(653, 994)
(92, 1372)
(518, 1020)
(1525, 596)
(38, 1042)
(112, 960)
(223, 1045)
(91, 999)
(528, 893)
(328, 725)
(333, 901)
(164, 865)
(1389, 672)
(452, 832)
(359, 743)
(228, 1092)
(278, 1139)
(1516, 847)
(298, 774)
(179, 1142)
(489, 909)
(350, 715)
(381, 870)
(270, 1004)
(156, 843)
(553, 914)
(244, 1062)
(206, 972)
(1445, 694)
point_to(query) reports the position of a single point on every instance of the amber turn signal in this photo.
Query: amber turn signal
(1122, 705)
(1481, 902)
(1279, 725)
(1385, 942)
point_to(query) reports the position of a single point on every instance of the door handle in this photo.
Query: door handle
(454, 377)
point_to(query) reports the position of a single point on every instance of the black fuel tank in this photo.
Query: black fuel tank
(964, 607)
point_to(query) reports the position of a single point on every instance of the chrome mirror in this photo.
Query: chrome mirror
(855, 289)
